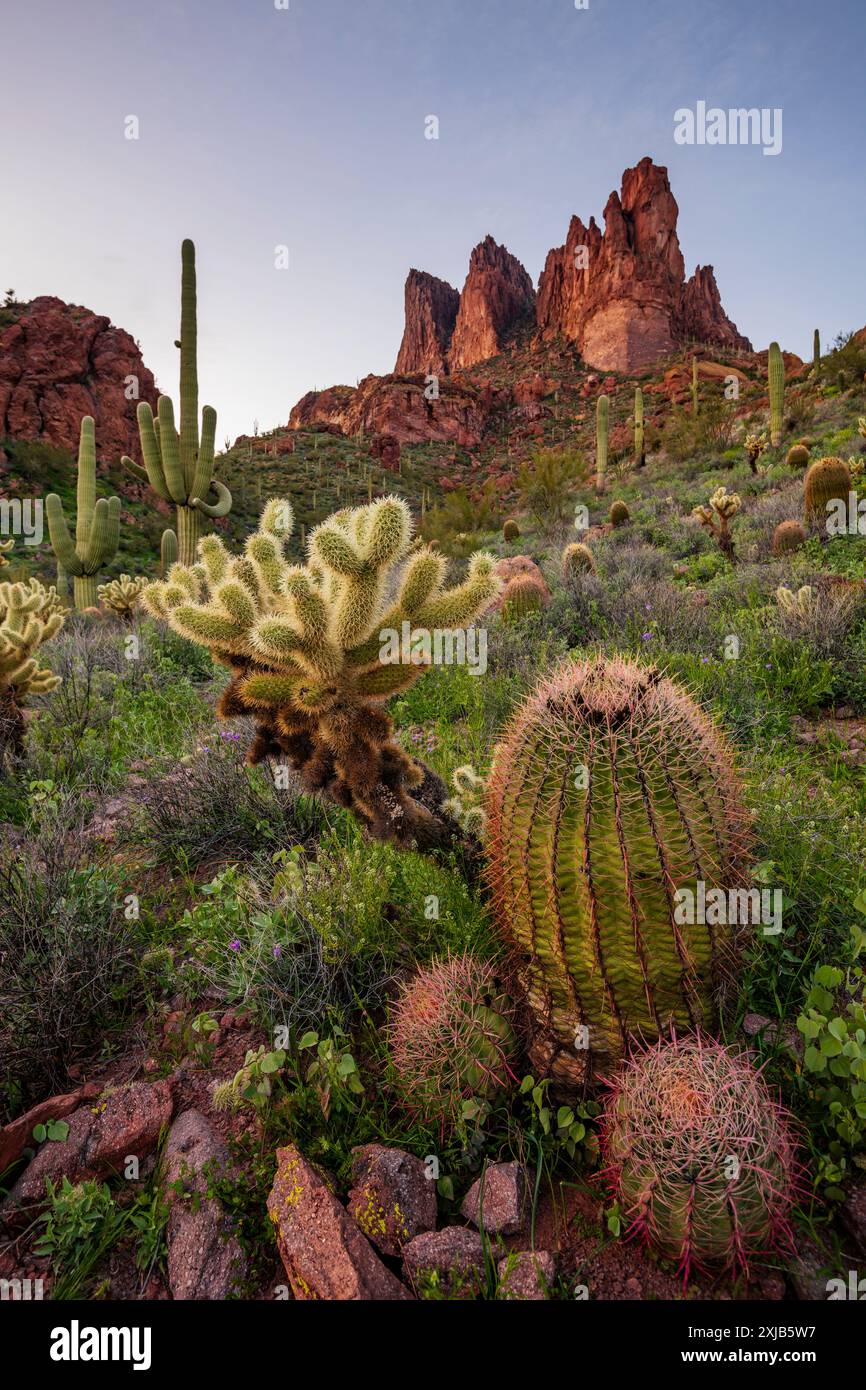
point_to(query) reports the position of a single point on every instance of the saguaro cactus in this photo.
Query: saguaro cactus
(30, 616)
(696, 401)
(816, 352)
(316, 649)
(179, 467)
(776, 379)
(611, 790)
(97, 524)
(167, 552)
(639, 444)
(602, 415)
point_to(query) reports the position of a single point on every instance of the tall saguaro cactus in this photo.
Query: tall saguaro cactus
(97, 524)
(179, 466)
(816, 352)
(776, 378)
(602, 415)
(639, 441)
(696, 400)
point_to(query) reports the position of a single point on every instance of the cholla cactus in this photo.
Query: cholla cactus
(856, 465)
(619, 514)
(754, 445)
(799, 605)
(788, 535)
(97, 524)
(30, 615)
(577, 559)
(716, 518)
(5, 547)
(316, 648)
(861, 426)
(451, 1038)
(466, 806)
(700, 1157)
(122, 595)
(178, 465)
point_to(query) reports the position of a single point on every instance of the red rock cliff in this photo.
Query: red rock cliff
(497, 294)
(431, 313)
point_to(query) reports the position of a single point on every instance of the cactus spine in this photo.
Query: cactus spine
(97, 524)
(316, 649)
(602, 415)
(827, 480)
(674, 1111)
(610, 791)
(179, 466)
(639, 445)
(776, 378)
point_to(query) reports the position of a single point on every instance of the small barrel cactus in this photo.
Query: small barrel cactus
(577, 559)
(523, 594)
(610, 791)
(510, 530)
(699, 1157)
(797, 456)
(788, 535)
(827, 480)
(451, 1038)
(619, 514)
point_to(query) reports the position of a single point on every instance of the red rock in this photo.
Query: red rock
(18, 1134)
(454, 1257)
(386, 448)
(497, 294)
(391, 1198)
(101, 1136)
(205, 1259)
(324, 1254)
(431, 307)
(526, 1275)
(621, 294)
(496, 1202)
(59, 362)
(400, 408)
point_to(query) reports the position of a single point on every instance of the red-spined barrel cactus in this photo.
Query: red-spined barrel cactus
(451, 1037)
(699, 1157)
(610, 791)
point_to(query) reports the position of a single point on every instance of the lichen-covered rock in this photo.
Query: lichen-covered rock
(526, 1275)
(452, 1260)
(496, 1202)
(205, 1258)
(391, 1198)
(324, 1253)
(102, 1135)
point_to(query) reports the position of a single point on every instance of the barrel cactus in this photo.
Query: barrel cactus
(700, 1157)
(510, 530)
(610, 791)
(776, 378)
(178, 465)
(451, 1038)
(797, 456)
(788, 536)
(577, 559)
(618, 514)
(827, 480)
(315, 650)
(97, 524)
(523, 594)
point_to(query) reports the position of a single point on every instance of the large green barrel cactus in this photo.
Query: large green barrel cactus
(179, 466)
(610, 791)
(776, 376)
(602, 415)
(827, 480)
(97, 524)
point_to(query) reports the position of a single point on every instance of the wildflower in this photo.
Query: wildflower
(278, 951)
(234, 945)
(647, 636)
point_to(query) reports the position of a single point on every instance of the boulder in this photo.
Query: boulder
(205, 1259)
(391, 1198)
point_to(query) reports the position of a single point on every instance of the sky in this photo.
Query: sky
(264, 124)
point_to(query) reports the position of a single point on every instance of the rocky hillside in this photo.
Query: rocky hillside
(59, 362)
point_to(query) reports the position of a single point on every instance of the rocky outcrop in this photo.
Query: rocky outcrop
(431, 313)
(621, 295)
(399, 407)
(497, 295)
(59, 362)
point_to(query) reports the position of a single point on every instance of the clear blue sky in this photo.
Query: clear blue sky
(305, 127)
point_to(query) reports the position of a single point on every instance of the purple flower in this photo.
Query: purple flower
(647, 636)
(704, 660)
(278, 951)
(234, 945)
